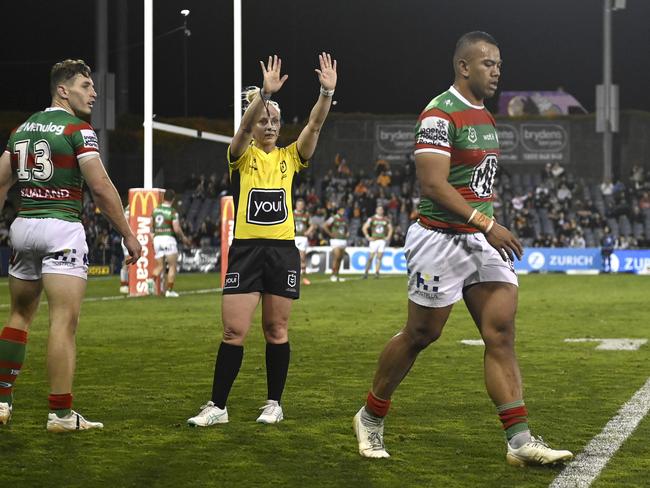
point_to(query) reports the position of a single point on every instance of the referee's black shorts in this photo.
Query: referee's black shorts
(265, 266)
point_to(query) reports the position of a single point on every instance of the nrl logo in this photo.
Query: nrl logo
(291, 279)
(471, 137)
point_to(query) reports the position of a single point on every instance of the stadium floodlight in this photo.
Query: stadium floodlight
(185, 12)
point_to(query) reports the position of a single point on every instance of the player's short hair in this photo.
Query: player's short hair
(249, 93)
(66, 70)
(470, 38)
(169, 195)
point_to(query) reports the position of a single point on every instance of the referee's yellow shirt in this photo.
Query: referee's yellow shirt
(262, 187)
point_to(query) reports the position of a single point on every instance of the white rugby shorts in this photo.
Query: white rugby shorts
(301, 243)
(47, 246)
(164, 246)
(378, 245)
(441, 265)
(334, 243)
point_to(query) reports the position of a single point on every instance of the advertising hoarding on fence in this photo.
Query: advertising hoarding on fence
(534, 142)
(540, 260)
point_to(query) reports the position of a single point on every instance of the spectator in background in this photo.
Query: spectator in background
(557, 170)
(607, 188)
(607, 245)
(644, 201)
(578, 240)
(384, 180)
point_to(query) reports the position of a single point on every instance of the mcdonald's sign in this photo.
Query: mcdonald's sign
(142, 202)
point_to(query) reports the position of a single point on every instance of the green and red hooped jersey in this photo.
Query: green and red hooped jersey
(301, 222)
(378, 227)
(45, 152)
(338, 226)
(163, 217)
(452, 126)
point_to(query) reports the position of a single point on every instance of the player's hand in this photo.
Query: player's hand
(272, 80)
(504, 242)
(134, 248)
(327, 71)
(187, 242)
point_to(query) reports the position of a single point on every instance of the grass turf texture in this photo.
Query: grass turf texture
(145, 365)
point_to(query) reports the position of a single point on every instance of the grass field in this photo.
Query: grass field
(145, 366)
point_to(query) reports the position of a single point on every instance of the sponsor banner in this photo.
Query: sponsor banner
(141, 205)
(202, 260)
(227, 232)
(550, 103)
(96, 270)
(534, 142)
(394, 140)
(631, 261)
(536, 259)
(320, 258)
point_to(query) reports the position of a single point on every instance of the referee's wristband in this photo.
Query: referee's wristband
(326, 93)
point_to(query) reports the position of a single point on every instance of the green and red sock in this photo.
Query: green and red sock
(60, 403)
(514, 417)
(13, 343)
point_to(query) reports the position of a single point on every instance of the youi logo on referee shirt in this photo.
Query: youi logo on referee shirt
(266, 206)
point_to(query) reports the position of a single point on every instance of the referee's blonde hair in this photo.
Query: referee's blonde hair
(249, 93)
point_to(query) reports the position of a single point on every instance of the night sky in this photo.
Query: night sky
(393, 55)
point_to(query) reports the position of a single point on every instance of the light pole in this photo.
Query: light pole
(186, 34)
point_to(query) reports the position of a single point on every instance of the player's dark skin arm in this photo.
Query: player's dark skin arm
(7, 178)
(433, 172)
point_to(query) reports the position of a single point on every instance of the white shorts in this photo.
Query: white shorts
(164, 246)
(301, 243)
(441, 265)
(377, 245)
(47, 246)
(334, 243)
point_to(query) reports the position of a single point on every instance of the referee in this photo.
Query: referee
(263, 261)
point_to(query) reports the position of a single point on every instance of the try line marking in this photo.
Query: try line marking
(587, 465)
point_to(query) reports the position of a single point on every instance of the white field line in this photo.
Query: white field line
(586, 467)
(182, 293)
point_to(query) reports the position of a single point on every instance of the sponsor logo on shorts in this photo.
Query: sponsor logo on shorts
(292, 278)
(266, 206)
(90, 139)
(426, 285)
(69, 258)
(232, 281)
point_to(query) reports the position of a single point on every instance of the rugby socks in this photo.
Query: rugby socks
(514, 417)
(124, 276)
(60, 404)
(229, 359)
(277, 368)
(376, 406)
(13, 343)
(170, 285)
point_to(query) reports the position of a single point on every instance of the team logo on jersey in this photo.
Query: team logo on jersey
(266, 206)
(283, 166)
(471, 136)
(90, 139)
(483, 176)
(231, 281)
(292, 278)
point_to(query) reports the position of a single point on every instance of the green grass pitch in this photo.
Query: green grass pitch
(145, 366)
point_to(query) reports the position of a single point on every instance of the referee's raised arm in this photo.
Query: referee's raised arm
(272, 84)
(309, 136)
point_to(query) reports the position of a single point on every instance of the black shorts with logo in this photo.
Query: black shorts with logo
(263, 265)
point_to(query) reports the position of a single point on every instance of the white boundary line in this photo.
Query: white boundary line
(586, 467)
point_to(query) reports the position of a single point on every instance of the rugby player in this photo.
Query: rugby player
(50, 155)
(338, 228)
(457, 250)
(378, 230)
(304, 230)
(166, 226)
(263, 263)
